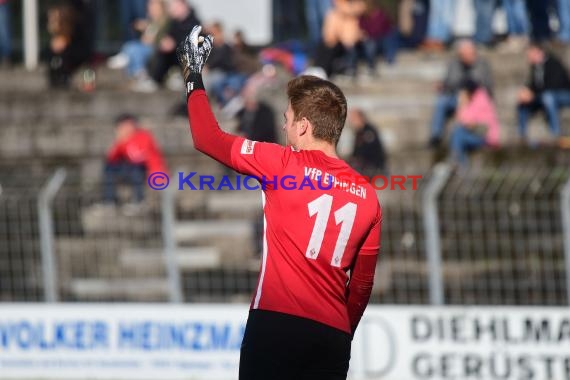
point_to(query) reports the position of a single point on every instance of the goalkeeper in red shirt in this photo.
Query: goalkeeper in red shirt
(321, 229)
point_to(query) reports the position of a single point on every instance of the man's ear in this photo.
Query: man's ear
(304, 125)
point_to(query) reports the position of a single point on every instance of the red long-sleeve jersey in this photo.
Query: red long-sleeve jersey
(314, 234)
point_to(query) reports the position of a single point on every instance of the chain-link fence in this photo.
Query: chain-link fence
(20, 263)
(502, 237)
(488, 236)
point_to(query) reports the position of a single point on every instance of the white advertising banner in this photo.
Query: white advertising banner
(456, 343)
(95, 341)
(160, 341)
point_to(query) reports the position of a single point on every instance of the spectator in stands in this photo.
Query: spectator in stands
(242, 46)
(368, 155)
(477, 123)
(257, 120)
(563, 11)
(5, 34)
(413, 20)
(540, 11)
(134, 54)
(286, 20)
(315, 12)
(467, 64)
(290, 55)
(182, 19)
(547, 89)
(440, 25)
(341, 34)
(221, 77)
(131, 12)
(71, 28)
(133, 155)
(379, 35)
(539, 19)
(484, 12)
(517, 22)
(261, 80)
(86, 13)
(246, 60)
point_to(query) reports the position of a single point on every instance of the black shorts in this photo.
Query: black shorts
(279, 346)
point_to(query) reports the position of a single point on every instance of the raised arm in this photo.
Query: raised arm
(244, 156)
(207, 136)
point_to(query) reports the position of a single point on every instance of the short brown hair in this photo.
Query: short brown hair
(321, 102)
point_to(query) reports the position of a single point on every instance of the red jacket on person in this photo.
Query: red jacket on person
(139, 148)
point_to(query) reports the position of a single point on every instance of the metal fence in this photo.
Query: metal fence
(490, 236)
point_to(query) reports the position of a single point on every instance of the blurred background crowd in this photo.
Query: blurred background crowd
(343, 40)
(331, 34)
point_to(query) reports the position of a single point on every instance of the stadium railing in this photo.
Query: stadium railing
(488, 236)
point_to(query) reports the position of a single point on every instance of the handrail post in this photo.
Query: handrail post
(441, 173)
(565, 202)
(171, 261)
(31, 36)
(49, 261)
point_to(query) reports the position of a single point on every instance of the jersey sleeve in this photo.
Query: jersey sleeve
(360, 288)
(259, 159)
(115, 152)
(362, 274)
(371, 245)
(245, 156)
(206, 133)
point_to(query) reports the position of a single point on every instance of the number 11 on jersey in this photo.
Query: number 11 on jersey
(345, 215)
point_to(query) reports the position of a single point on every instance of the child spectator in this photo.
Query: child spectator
(133, 155)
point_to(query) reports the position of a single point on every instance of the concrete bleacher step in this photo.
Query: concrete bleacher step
(96, 222)
(187, 259)
(233, 238)
(125, 289)
(453, 271)
(89, 256)
(208, 229)
(19, 79)
(239, 298)
(240, 203)
(72, 106)
(19, 141)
